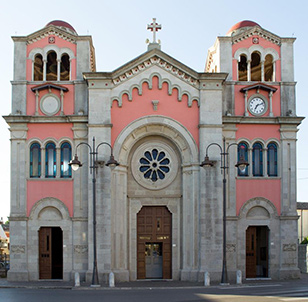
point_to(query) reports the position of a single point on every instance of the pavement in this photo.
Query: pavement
(142, 284)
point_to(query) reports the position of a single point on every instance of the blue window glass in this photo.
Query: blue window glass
(272, 159)
(257, 160)
(35, 160)
(66, 156)
(242, 152)
(154, 165)
(50, 162)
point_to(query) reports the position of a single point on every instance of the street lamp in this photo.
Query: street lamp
(75, 164)
(241, 164)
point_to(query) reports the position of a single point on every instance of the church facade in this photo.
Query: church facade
(159, 214)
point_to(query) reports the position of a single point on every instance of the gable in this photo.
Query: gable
(256, 31)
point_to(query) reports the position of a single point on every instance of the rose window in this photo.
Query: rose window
(154, 165)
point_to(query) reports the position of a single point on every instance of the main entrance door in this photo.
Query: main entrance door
(154, 243)
(257, 252)
(50, 253)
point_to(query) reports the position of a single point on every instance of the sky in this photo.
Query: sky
(189, 29)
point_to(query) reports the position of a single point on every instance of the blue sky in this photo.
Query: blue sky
(119, 32)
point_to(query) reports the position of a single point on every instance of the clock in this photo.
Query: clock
(257, 105)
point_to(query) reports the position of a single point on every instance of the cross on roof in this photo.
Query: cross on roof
(154, 27)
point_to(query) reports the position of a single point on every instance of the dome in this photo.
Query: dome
(241, 26)
(63, 25)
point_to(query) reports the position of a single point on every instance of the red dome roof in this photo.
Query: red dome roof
(61, 23)
(245, 23)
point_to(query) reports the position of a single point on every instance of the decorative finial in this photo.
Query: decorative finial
(154, 27)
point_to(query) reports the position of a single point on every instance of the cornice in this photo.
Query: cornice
(45, 32)
(142, 63)
(11, 119)
(58, 32)
(256, 31)
(291, 120)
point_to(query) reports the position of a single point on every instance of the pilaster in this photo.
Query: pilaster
(210, 130)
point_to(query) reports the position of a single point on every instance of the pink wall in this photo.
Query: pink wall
(251, 132)
(142, 106)
(60, 189)
(59, 43)
(248, 43)
(247, 188)
(56, 131)
(38, 189)
(240, 100)
(68, 99)
(250, 188)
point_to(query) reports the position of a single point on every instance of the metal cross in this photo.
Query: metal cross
(154, 27)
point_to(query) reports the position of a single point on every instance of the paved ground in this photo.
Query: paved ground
(42, 284)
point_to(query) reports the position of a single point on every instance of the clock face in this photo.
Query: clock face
(257, 106)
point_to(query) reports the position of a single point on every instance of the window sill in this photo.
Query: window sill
(49, 179)
(258, 177)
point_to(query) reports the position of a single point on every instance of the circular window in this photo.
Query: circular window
(155, 165)
(50, 104)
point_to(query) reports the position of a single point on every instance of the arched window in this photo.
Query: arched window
(65, 68)
(242, 153)
(66, 156)
(257, 160)
(242, 68)
(268, 68)
(255, 67)
(50, 161)
(35, 160)
(38, 68)
(51, 67)
(272, 159)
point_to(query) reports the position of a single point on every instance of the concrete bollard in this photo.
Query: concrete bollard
(111, 279)
(238, 277)
(206, 279)
(77, 279)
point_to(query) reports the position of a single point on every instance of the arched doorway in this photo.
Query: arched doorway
(50, 253)
(154, 255)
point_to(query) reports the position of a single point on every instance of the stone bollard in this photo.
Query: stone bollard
(77, 279)
(111, 279)
(238, 277)
(206, 279)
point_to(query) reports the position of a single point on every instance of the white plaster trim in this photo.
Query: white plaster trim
(52, 47)
(49, 202)
(256, 48)
(261, 202)
(177, 133)
(149, 80)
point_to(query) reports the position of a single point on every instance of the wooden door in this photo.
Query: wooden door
(154, 226)
(45, 255)
(251, 252)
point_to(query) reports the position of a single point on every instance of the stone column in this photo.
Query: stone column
(58, 70)
(190, 222)
(210, 177)
(249, 70)
(80, 214)
(18, 216)
(99, 126)
(288, 218)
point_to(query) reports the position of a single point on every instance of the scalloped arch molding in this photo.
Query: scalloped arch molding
(149, 81)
